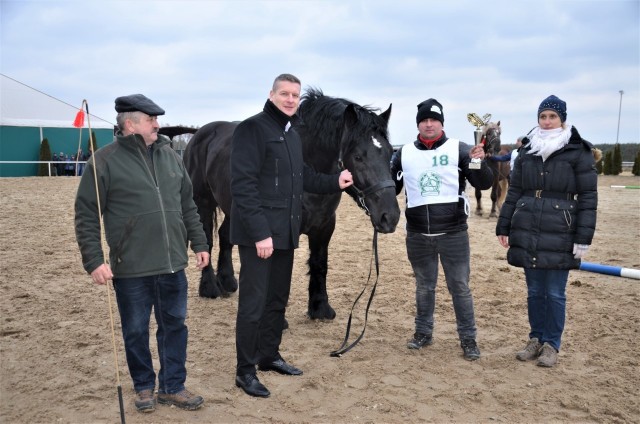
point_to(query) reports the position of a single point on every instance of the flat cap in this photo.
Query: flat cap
(138, 102)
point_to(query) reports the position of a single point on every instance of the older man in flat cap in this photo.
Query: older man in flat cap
(144, 196)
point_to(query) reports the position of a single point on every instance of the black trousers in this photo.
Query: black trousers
(263, 295)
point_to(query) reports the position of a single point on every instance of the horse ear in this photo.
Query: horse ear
(498, 123)
(350, 116)
(386, 115)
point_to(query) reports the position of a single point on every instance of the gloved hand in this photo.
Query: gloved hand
(579, 250)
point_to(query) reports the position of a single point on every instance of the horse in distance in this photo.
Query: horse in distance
(336, 134)
(492, 146)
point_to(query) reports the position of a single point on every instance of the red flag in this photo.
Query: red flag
(79, 121)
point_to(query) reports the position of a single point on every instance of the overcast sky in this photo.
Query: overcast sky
(213, 60)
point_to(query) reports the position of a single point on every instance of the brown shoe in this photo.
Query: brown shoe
(530, 351)
(548, 356)
(145, 401)
(183, 399)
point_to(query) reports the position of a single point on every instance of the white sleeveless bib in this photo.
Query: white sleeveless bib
(431, 176)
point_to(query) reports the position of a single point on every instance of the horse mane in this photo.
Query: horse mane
(323, 116)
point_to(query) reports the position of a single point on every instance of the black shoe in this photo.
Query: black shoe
(419, 340)
(470, 349)
(251, 385)
(280, 366)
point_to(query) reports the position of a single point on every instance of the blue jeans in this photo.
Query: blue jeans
(453, 251)
(546, 303)
(167, 294)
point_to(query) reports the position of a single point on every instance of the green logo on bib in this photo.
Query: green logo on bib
(430, 183)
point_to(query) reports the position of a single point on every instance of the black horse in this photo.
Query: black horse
(491, 142)
(336, 133)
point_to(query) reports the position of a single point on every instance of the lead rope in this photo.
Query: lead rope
(344, 348)
(79, 123)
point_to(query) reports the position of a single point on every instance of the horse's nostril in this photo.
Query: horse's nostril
(386, 224)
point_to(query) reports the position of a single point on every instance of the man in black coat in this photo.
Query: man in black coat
(268, 176)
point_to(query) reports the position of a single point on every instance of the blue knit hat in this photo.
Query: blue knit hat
(555, 104)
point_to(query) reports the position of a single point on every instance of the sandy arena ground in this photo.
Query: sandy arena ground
(57, 362)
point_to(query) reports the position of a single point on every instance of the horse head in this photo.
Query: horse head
(366, 152)
(491, 138)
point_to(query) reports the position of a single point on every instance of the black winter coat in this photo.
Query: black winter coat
(443, 217)
(268, 176)
(543, 226)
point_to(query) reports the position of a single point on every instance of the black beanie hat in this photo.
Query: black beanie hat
(555, 104)
(430, 108)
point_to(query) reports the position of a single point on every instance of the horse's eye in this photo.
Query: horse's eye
(357, 158)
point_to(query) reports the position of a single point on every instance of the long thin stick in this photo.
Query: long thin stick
(79, 147)
(102, 243)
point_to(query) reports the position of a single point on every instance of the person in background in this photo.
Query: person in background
(61, 165)
(146, 201)
(68, 167)
(268, 176)
(509, 156)
(54, 166)
(81, 158)
(548, 220)
(433, 169)
(72, 166)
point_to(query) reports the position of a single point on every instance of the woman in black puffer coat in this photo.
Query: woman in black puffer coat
(548, 220)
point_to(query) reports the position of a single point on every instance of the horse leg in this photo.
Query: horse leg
(478, 202)
(319, 307)
(504, 187)
(209, 286)
(495, 189)
(226, 277)
(503, 183)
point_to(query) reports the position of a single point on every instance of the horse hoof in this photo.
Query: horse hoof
(322, 312)
(229, 284)
(209, 290)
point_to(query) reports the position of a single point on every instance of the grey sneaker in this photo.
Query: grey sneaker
(548, 356)
(145, 401)
(530, 351)
(419, 340)
(183, 399)
(470, 349)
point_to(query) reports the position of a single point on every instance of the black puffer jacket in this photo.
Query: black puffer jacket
(550, 206)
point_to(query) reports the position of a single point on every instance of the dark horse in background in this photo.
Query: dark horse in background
(335, 133)
(491, 142)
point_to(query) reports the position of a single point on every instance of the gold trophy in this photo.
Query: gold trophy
(478, 122)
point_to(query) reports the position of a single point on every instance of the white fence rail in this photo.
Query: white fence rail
(56, 162)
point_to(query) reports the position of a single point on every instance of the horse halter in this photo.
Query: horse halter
(361, 195)
(490, 137)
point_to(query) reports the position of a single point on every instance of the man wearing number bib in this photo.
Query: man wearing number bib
(433, 170)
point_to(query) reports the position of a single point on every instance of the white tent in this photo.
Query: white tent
(29, 116)
(23, 106)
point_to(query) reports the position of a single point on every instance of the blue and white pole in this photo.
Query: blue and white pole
(610, 270)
